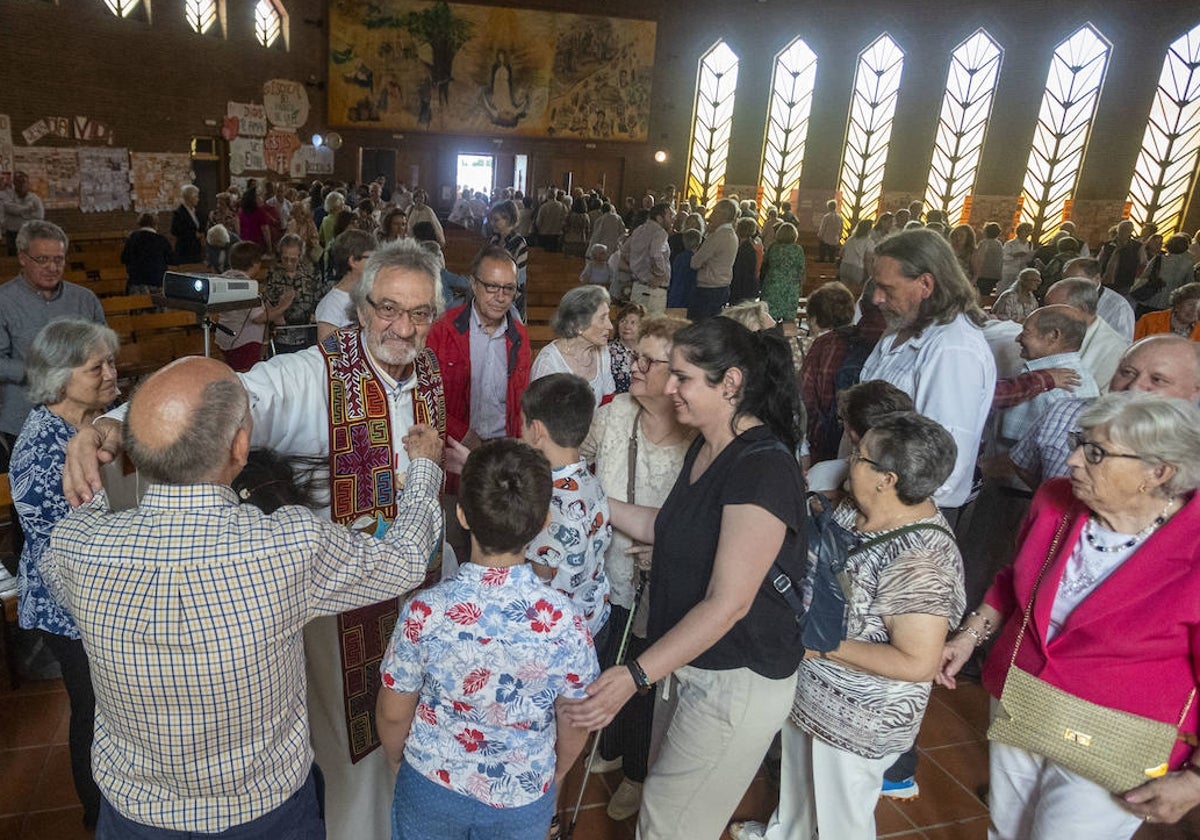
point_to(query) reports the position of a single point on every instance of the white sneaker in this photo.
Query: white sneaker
(606, 765)
(626, 801)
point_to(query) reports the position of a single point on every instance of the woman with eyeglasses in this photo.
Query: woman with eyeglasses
(1102, 602)
(858, 708)
(638, 445)
(582, 325)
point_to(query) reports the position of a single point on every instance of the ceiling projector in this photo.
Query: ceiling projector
(209, 289)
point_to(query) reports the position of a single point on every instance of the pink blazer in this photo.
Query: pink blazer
(1134, 643)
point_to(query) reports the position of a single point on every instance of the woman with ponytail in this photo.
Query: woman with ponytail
(725, 644)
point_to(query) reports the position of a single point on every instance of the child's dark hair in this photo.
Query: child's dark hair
(564, 403)
(505, 495)
(862, 405)
(269, 481)
(769, 389)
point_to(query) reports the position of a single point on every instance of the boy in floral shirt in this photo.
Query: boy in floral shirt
(476, 668)
(556, 413)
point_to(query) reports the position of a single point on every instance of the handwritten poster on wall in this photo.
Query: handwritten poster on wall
(285, 103)
(53, 175)
(157, 178)
(246, 154)
(251, 117)
(103, 179)
(6, 149)
(278, 148)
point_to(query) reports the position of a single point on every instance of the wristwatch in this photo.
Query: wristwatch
(640, 680)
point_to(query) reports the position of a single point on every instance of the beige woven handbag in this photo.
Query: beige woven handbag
(1117, 750)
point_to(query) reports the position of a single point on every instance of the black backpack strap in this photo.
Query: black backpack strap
(916, 526)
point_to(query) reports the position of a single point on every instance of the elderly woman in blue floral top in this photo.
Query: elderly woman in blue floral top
(72, 377)
(622, 346)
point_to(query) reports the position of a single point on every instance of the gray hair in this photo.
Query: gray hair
(1184, 293)
(1157, 428)
(189, 190)
(39, 229)
(926, 252)
(1071, 330)
(1028, 272)
(202, 448)
(1079, 293)
(333, 201)
(576, 309)
(917, 449)
(406, 254)
(218, 235)
(751, 314)
(57, 349)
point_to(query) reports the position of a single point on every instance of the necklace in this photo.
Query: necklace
(1090, 536)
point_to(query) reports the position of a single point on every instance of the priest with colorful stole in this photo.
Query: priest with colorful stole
(352, 399)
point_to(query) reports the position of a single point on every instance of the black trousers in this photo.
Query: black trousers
(77, 677)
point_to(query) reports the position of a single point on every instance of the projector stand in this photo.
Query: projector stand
(202, 311)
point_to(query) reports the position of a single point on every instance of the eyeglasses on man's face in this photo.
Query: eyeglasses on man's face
(389, 312)
(1094, 453)
(505, 289)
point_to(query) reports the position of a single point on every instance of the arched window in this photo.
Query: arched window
(1063, 126)
(715, 88)
(787, 123)
(122, 8)
(270, 22)
(966, 107)
(869, 128)
(200, 14)
(1166, 167)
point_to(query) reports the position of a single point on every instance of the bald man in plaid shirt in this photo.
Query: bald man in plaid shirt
(191, 608)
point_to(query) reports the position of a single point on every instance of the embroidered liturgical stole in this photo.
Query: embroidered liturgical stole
(362, 483)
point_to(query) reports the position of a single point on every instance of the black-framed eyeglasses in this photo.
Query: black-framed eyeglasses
(1094, 453)
(856, 456)
(388, 311)
(506, 289)
(645, 363)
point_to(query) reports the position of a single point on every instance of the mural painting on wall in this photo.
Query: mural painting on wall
(157, 178)
(454, 67)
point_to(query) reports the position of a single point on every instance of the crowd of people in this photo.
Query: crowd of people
(613, 534)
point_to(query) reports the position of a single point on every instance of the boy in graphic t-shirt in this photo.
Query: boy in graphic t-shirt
(556, 413)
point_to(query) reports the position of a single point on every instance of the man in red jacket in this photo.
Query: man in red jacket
(483, 350)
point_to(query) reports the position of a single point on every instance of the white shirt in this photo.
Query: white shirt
(335, 308)
(1114, 309)
(649, 254)
(1102, 349)
(550, 360)
(951, 376)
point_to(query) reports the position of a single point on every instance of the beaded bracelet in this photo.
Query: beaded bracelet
(980, 638)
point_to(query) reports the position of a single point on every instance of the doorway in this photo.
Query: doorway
(475, 172)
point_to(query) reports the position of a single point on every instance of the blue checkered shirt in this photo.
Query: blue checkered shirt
(1044, 449)
(191, 608)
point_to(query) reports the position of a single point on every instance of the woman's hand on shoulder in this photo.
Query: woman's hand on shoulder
(1164, 800)
(606, 696)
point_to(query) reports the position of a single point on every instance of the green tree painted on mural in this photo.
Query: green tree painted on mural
(436, 26)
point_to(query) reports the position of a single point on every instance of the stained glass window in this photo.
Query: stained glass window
(715, 88)
(1166, 167)
(200, 14)
(122, 8)
(966, 107)
(1063, 126)
(869, 128)
(269, 22)
(787, 123)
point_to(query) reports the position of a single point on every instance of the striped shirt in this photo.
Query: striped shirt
(191, 608)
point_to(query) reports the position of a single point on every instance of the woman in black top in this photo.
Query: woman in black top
(725, 642)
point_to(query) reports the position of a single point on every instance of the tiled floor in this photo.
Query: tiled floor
(37, 799)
